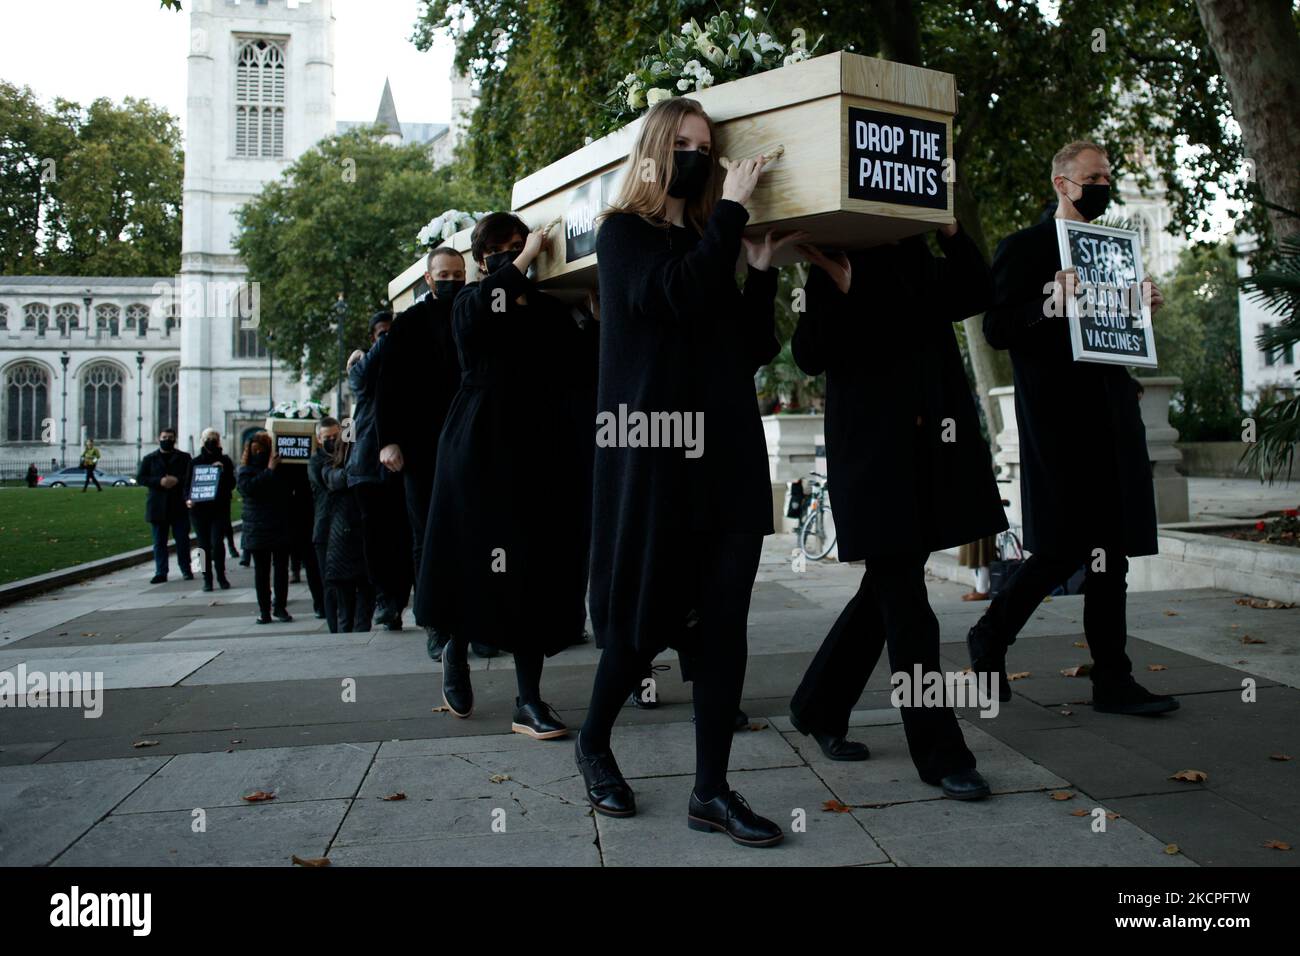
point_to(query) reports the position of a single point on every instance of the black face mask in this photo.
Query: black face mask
(167, 444)
(498, 260)
(447, 288)
(1093, 202)
(259, 458)
(690, 173)
(212, 446)
(329, 445)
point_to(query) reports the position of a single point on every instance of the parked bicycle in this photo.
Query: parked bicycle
(815, 538)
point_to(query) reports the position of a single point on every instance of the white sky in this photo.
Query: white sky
(83, 49)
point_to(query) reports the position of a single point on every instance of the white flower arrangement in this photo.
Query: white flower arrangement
(297, 409)
(697, 57)
(442, 227)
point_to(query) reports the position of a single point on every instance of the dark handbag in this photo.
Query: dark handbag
(1011, 557)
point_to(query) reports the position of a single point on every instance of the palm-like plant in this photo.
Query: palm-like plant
(1277, 288)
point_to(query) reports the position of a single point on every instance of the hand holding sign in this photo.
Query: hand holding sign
(759, 255)
(838, 268)
(274, 460)
(1151, 292)
(1065, 285)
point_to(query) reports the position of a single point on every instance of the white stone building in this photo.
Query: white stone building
(184, 350)
(1258, 370)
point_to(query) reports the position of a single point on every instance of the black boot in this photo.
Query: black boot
(1127, 696)
(207, 580)
(457, 692)
(988, 655)
(730, 814)
(836, 747)
(222, 581)
(607, 791)
(965, 785)
(538, 720)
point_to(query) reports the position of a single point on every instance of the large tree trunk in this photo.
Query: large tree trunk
(1259, 53)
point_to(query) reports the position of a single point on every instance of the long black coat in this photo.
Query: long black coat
(420, 378)
(164, 505)
(203, 514)
(363, 379)
(1085, 475)
(677, 335)
(896, 388)
(320, 528)
(498, 566)
(345, 560)
(268, 495)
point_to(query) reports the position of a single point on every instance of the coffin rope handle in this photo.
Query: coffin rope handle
(777, 153)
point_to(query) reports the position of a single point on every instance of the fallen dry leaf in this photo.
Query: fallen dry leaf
(1018, 675)
(1082, 644)
(499, 777)
(1062, 795)
(310, 861)
(1279, 756)
(257, 796)
(144, 743)
(1247, 639)
(1081, 812)
(1079, 670)
(1169, 613)
(1191, 776)
(394, 796)
(1172, 849)
(834, 806)
(1112, 816)
(757, 726)
(1277, 845)
(1262, 604)
(1066, 713)
(1157, 667)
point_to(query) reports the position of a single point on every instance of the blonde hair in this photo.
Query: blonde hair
(646, 196)
(209, 431)
(1067, 154)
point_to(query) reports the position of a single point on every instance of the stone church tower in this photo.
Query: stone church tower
(260, 92)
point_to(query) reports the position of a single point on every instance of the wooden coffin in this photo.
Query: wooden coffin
(293, 438)
(867, 150)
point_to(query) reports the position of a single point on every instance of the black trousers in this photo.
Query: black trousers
(331, 596)
(1104, 599)
(891, 608)
(210, 531)
(263, 559)
(305, 553)
(354, 603)
(90, 476)
(385, 532)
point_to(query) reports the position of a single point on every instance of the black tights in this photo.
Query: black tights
(717, 659)
(528, 675)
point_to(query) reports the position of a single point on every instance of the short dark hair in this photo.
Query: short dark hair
(383, 315)
(167, 431)
(327, 422)
(494, 229)
(441, 251)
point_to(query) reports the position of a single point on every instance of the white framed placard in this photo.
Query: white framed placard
(1109, 320)
(203, 484)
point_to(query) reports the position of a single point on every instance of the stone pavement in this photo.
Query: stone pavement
(228, 708)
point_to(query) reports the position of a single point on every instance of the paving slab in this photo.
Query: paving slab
(262, 835)
(333, 771)
(1210, 829)
(125, 670)
(576, 846)
(1022, 829)
(47, 807)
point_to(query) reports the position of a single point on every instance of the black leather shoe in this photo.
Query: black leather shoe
(965, 785)
(538, 720)
(835, 747)
(483, 650)
(394, 623)
(1127, 696)
(457, 693)
(607, 791)
(282, 615)
(207, 582)
(188, 576)
(434, 642)
(262, 618)
(730, 814)
(158, 579)
(222, 582)
(988, 655)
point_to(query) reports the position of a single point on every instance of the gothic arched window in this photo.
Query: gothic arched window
(4, 316)
(173, 320)
(36, 315)
(27, 401)
(67, 316)
(168, 390)
(101, 406)
(137, 317)
(259, 98)
(107, 318)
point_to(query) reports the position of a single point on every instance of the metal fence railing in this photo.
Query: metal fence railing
(16, 471)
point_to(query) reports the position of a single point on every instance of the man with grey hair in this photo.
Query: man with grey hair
(1085, 475)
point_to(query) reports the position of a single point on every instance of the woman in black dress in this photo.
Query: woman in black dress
(494, 569)
(267, 495)
(212, 516)
(680, 344)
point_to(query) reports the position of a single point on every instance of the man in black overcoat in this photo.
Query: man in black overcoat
(166, 473)
(909, 472)
(420, 376)
(1086, 489)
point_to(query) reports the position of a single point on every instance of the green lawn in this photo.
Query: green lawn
(45, 529)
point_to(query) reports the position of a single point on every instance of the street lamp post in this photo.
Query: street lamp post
(270, 373)
(63, 429)
(340, 313)
(139, 408)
